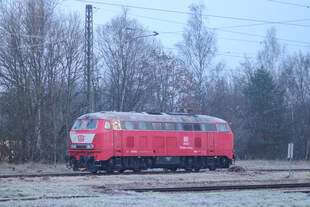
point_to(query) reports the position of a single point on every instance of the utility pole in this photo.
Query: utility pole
(89, 57)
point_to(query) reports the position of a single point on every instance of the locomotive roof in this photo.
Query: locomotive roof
(145, 116)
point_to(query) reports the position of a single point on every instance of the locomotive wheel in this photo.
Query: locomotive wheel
(75, 168)
(188, 169)
(224, 162)
(149, 163)
(173, 169)
(197, 169)
(109, 171)
(212, 168)
(90, 166)
(93, 170)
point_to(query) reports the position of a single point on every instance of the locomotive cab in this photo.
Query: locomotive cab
(88, 139)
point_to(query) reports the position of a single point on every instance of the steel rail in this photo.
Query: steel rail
(90, 174)
(44, 175)
(46, 197)
(279, 170)
(72, 174)
(183, 189)
(221, 188)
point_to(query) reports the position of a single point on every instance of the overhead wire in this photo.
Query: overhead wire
(241, 40)
(262, 36)
(222, 29)
(305, 44)
(262, 24)
(222, 53)
(260, 42)
(290, 3)
(234, 56)
(189, 13)
(21, 35)
(37, 45)
(30, 36)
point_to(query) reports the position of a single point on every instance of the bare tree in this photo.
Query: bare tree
(197, 49)
(296, 79)
(40, 58)
(171, 86)
(124, 49)
(269, 57)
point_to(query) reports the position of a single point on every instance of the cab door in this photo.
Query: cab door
(210, 129)
(118, 142)
(117, 138)
(211, 143)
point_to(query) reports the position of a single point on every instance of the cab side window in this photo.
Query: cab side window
(107, 124)
(157, 126)
(197, 127)
(170, 126)
(116, 125)
(222, 128)
(129, 125)
(187, 126)
(209, 127)
(145, 126)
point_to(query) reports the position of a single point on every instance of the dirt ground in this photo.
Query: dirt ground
(17, 191)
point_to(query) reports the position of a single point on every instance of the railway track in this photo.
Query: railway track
(279, 170)
(223, 188)
(45, 197)
(295, 186)
(90, 174)
(72, 174)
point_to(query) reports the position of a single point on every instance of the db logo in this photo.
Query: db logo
(185, 141)
(81, 138)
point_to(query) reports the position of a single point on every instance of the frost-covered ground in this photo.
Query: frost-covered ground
(229, 199)
(107, 189)
(272, 164)
(31, 168)
(35, 168)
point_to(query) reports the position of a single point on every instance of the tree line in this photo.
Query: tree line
(42, 82)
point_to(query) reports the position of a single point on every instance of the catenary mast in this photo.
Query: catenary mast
(89, 57)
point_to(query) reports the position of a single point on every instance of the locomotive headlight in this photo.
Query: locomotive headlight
(90, 146)
(82, 146)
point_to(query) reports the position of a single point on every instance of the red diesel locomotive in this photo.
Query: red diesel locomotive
(118, 141)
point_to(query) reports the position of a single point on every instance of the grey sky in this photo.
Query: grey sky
(232, 42)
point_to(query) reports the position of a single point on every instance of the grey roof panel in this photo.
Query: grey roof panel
(143, 116)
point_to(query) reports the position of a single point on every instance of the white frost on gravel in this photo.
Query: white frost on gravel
(36, 168)
(273, 164)
(221, 199)
(105, 187)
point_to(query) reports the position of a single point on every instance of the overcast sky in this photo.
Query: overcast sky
(233, 20)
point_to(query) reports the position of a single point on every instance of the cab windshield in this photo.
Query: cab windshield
(80, 124)
(91, 124)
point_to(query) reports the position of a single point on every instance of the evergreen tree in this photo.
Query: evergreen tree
(266, 110)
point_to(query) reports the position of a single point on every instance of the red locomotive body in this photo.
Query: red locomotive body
(118, 141)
